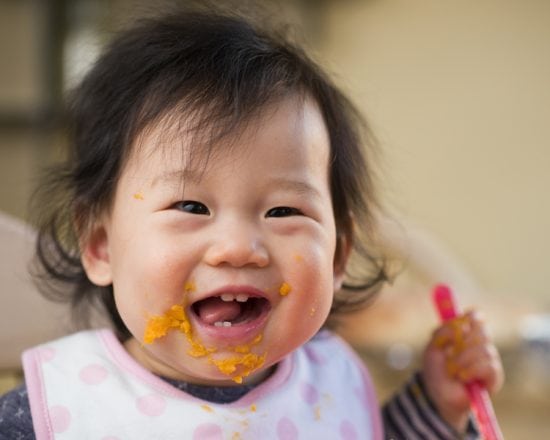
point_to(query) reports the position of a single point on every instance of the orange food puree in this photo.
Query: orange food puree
(457, 344)
(285, 289)
(247, 361)
(174, 319)
(238, 366)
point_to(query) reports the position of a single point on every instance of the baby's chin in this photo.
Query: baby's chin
(223, 370)
(174, 358)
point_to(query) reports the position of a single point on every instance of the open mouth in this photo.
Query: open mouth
(230, 310)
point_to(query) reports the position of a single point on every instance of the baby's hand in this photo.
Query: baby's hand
(460, 351)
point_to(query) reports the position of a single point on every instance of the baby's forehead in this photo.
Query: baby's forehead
(282, 133)
(193, 140)
(181, 146)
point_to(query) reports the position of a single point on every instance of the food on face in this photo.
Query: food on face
(189, 286)
(247, 362)
(138, 196)
(174, 319)
(285, 289)
(246, 348)
(237, 366)
(158, 326)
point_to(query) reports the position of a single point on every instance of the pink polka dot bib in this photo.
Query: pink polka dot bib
(86, 386)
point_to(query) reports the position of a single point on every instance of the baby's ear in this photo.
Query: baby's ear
(341, 256)
(94, 249)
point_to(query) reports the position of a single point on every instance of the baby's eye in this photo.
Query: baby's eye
(283, 211)
(192, 207)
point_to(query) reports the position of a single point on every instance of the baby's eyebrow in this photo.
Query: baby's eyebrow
(298, 186)
(176, 177)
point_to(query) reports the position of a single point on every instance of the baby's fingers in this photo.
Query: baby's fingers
(480, 363)
(477, 328)
(463, 331)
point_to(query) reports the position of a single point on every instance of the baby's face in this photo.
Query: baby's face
(219, 272)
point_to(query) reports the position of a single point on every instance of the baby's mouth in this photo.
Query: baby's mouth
(230, 321)
(230, 310)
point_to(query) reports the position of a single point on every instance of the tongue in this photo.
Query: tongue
(214, 310)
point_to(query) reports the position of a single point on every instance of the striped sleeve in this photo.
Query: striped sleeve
(410, 415)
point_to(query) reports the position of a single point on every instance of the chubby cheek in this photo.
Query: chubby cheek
(307, 306)
(306, 296)
(148, 286)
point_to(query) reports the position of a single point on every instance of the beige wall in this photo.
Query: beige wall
(19, 93)
(458, 93)
(19, 50)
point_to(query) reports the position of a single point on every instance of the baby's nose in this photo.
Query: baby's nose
(237, 245)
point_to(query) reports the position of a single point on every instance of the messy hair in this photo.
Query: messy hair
(220, 70)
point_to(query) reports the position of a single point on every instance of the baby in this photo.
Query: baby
(216, 189)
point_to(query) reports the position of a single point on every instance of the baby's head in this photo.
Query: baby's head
(214, 184)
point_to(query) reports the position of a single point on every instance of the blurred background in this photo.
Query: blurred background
(458, 95)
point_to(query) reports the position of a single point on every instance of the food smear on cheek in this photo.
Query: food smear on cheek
(174, 319)
(138, 196)
(237, 366)
(285, 289)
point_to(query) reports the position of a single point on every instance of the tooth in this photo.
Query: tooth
(218, 324)
(227, 297)
(242, 297)
(227, 324)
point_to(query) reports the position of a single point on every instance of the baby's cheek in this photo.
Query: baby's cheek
(314, 274)
(163, 281)
(147, 295)
(308, 293)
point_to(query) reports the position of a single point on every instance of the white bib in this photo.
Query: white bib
(86, 386)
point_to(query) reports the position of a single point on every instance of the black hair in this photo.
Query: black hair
(220, 70)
